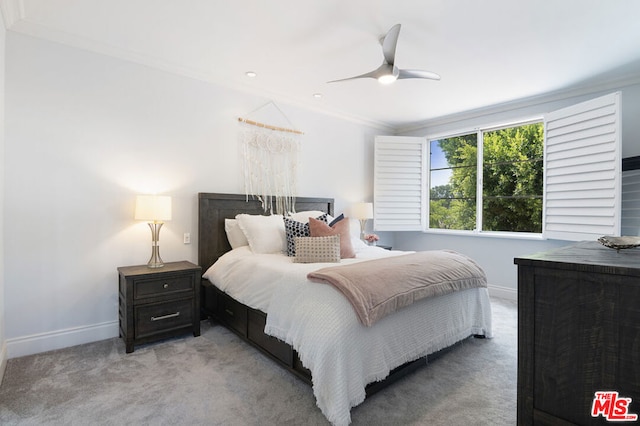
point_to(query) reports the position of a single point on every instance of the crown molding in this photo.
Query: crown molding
(580, 90)
(12, 11)
(41, 32)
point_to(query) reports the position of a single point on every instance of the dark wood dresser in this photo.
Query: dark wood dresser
(578, 333)
(158, 303)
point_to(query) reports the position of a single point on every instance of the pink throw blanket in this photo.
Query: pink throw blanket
(379, 287)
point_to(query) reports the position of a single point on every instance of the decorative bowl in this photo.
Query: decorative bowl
(619, 243)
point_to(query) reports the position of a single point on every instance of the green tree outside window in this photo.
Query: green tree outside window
(512, 172)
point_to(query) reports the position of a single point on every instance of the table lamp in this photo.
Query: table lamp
(154, 209)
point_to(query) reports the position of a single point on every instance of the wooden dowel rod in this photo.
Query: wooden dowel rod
(267, 126)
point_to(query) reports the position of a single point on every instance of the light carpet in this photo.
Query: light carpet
(217, 379)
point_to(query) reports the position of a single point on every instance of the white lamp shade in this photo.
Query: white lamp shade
(155, 208)
(362, 210)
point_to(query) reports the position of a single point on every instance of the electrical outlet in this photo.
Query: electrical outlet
(187, 238)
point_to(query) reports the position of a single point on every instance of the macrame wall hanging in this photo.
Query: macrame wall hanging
(270, 155)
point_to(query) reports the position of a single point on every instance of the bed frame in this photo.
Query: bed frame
(245, 321)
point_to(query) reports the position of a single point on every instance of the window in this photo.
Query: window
(506, 196)
(560, 178)
(453, 182)
(513, 179)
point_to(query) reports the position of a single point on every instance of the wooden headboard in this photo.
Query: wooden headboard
(213, 209)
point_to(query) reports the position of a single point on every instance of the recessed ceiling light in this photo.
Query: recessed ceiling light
(317, 95)
(250, 74)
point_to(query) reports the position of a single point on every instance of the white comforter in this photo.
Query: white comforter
(318, 322)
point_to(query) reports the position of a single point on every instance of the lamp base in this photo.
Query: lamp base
(363, 223)
(155, 261)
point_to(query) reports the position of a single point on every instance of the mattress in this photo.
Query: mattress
(322, 326)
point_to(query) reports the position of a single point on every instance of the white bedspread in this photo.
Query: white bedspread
(318, 322)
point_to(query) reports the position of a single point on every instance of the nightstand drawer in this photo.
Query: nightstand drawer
(162, 317)
(164, 285)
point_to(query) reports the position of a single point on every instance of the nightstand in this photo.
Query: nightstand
(156, 303)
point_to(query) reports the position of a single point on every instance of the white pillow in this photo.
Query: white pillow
(303, 217)
(354, 227)
(265, 234)
(358, 244)
(234, 234)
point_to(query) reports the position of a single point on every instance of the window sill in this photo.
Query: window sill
(487, 234)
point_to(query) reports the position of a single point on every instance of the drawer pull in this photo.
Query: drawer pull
(165, 286)
(229, 312)
(165, 316)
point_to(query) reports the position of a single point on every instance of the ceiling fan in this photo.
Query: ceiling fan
(388, 72)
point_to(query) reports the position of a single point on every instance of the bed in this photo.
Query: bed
(301, 323)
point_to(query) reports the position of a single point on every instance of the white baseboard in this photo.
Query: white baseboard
(29, 345)
(3, 360)
(37, 343)
(503, 292)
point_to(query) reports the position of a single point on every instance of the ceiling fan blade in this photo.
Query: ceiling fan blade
(418, 74)
(372, 74)
(389, 43)
(383, 69)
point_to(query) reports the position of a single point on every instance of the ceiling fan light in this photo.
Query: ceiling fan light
(387, 78)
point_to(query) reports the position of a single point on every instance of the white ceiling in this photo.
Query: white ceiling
(487, 52)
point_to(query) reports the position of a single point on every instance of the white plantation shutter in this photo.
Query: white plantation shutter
(399, 183)
(583, 170)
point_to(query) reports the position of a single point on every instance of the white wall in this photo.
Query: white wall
(85, 134)
(496, 255)
(3, 346)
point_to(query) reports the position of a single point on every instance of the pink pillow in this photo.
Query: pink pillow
(318, 228)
